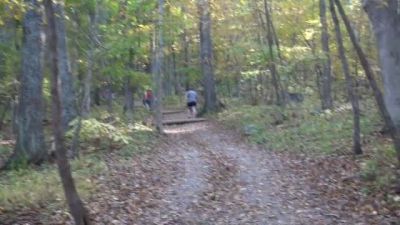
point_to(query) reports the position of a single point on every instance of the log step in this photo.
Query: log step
(173, 111)
(183, 121)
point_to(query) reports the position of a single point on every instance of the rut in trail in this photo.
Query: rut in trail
(204, 174)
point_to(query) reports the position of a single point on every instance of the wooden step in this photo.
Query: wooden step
(183, 121)
(173, 111)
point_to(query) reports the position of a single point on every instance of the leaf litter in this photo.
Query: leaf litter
(204, 174)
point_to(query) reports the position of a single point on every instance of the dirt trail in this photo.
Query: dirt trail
(233, 183)
(204, 174)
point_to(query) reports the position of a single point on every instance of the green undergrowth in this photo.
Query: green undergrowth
(39, 187)
(5, 150)
(377, 169)
(301, 129)
(174, 101)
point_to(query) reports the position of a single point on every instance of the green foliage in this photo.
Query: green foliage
(93, 130)
(300, 130)
(143, 141)
(5, 150)
(26, 188)
(173, 101)
(303, 130)
(378, 170)
(192, 75)
(11, 9)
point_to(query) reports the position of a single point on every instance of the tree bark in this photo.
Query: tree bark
(30, 146)
(385, 19)
(326, 79)
(87, 86)
(349, 82)
(128, 100)
(69, 111)
(206, 56)
(274, 35)
(75, 204)
(174, 72)
(158, 68)
(394, 132)
(186, 59)
(186, 54)
(109, 96)
(272, 61)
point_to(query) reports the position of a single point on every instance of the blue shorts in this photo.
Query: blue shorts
(191, 104)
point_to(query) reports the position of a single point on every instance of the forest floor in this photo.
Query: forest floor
(202, 173)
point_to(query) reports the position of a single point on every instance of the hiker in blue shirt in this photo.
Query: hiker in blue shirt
(191, 100)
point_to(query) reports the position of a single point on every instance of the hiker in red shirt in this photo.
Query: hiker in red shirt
(148, 99)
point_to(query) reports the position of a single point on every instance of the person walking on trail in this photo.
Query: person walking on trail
(148, 99)
(191, 100)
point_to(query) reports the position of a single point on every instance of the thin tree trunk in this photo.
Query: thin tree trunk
(109, 96)
(158, 68)
(75, 203)
(275, 39)
(128, 100)
(87, 88)
(185, 42)
(370, 76)
(349, 82)
(326, 79)
(272, 62)
(275, 36)
(30, 146)
(186, 56)
(128, 94)
(166, 82)
(67, 84)
(174, 72)
(206, 55)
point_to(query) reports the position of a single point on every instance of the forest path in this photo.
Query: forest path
(204, 174)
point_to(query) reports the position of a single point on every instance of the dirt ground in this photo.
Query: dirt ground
(203, 174)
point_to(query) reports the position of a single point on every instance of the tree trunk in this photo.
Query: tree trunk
(186, 56)
(326, 79)
(185, 43)
(206, 56)
(274, 35)
(385, 20)
(87, 86)
(174, 72)
(30, 146)
(67, 84)
(158, 69)
(272, 61)
(109, 96)
(349, 82)
(128, 100)
(374, 10)
(75, 204)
